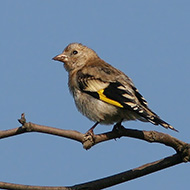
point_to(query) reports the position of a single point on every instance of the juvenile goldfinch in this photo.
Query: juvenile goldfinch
(101, 92)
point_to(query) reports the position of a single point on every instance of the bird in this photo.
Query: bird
(101, 92)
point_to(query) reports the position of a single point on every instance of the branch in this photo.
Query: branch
(108, 181)
(131, 174)
(88, 140)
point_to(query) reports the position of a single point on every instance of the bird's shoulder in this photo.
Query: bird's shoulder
(99, 69)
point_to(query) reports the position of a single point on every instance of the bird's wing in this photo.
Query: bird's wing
(104, 82)
(110, 85)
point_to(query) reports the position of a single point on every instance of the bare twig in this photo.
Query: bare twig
(12, 186)
(131, 174)
(108, 181)
(182, 155)
(88, 140)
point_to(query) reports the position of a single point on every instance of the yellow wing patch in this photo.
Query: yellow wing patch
(108, 100)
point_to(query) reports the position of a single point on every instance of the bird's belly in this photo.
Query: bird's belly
(99, 111)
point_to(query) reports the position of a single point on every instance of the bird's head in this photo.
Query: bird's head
(75, 56)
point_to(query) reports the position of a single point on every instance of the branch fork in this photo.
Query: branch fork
(89, 140)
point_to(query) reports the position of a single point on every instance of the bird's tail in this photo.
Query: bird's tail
(157, 121)
(152, 117)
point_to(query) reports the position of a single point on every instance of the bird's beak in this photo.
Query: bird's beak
(61, 57)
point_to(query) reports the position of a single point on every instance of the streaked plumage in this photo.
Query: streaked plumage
(101, 92)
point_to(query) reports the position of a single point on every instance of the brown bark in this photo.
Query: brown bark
(182, 155)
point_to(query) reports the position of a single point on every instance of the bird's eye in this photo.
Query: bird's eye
(75, 52)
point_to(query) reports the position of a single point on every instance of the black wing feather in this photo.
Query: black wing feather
(117, 94)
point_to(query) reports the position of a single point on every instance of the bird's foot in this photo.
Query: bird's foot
(89, 139)
(117, 127)
(91, 130)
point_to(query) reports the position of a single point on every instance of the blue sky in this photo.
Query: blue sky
(148, 40)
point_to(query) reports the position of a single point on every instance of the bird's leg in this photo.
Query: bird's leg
(89, 139)
(117, 126)
(90, 131)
